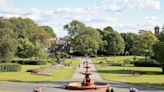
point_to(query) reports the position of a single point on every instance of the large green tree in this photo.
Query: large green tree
(85, 40)
(8, 43)
(24, 27)
(143, 43)
(158, 49)
(49, 30)
(114, 43)
(159, 52)
(129, 39)
(25, 48)
(75, 28)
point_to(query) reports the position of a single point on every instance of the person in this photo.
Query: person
(84, 63)
(109, 89)
(79, 65)
(132, 89)
(37, 89)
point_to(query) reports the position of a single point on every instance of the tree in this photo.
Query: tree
(24, 28)
(43, 37)
(129, 41)
(39, 51)
(25, 48)
(114, 43)
(85, 40)
(8, 43)
(143, 43)
(158, 49)
(75, 28)
(49, 30)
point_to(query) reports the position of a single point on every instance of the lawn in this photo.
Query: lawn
(116, 58)
(9, 91)
(24, 76)
(151, 76)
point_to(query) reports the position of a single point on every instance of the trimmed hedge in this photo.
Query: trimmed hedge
(30, 62)
(10, 67)
(146, 64)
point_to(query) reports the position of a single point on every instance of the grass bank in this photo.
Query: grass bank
(150, 76)
(23, 76)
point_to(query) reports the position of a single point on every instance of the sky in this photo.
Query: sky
(122, 15)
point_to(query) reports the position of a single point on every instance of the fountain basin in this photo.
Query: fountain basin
(84, 86)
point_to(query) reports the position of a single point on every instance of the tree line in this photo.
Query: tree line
(91, 41)
(23, 38)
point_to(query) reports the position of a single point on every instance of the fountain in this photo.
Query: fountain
(87, 83)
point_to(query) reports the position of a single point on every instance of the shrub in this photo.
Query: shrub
(30, 62)
(62, 55)
(146, 64)
(42, 62)
(10, 67)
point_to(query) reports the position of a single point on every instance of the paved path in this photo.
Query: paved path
(78, 76)
(58, 86)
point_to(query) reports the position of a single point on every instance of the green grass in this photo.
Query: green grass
(9, 91)
(151, 75)
(24, 76)
(116, 58)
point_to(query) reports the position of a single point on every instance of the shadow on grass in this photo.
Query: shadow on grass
(130, 72)
(140, 86)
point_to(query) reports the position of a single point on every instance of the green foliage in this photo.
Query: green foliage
(49, 30)
(30, 62)
(39, 51)
(114, 41)
(24, 27)
(161, 37)
(143, 43)
(43, 37)
(146, 64)
(159, 52)
(158, 49)
(24, 76)
(129, 40)
(25, 48)
(10, 67)
(20, 36)
(85, 40)
(75, 28)
(27, 28)
(61, 55)
(8, 43)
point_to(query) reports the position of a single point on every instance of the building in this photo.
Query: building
(157, 30)
(62, 45)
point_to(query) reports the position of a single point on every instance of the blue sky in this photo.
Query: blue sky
(122, 15)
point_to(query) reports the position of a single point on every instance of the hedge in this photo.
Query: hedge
(30, 62)
(146, 64)
(10, 67)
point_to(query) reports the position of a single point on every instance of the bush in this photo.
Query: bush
(30, 62)
(42, 62)
(146, 64)
(10, 67)
(62, 55)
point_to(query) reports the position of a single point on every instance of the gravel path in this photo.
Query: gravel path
(58, 85)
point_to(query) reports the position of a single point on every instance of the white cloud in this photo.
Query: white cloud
(97, 15)
(142, 4)
(151, 18)
(122, 5)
